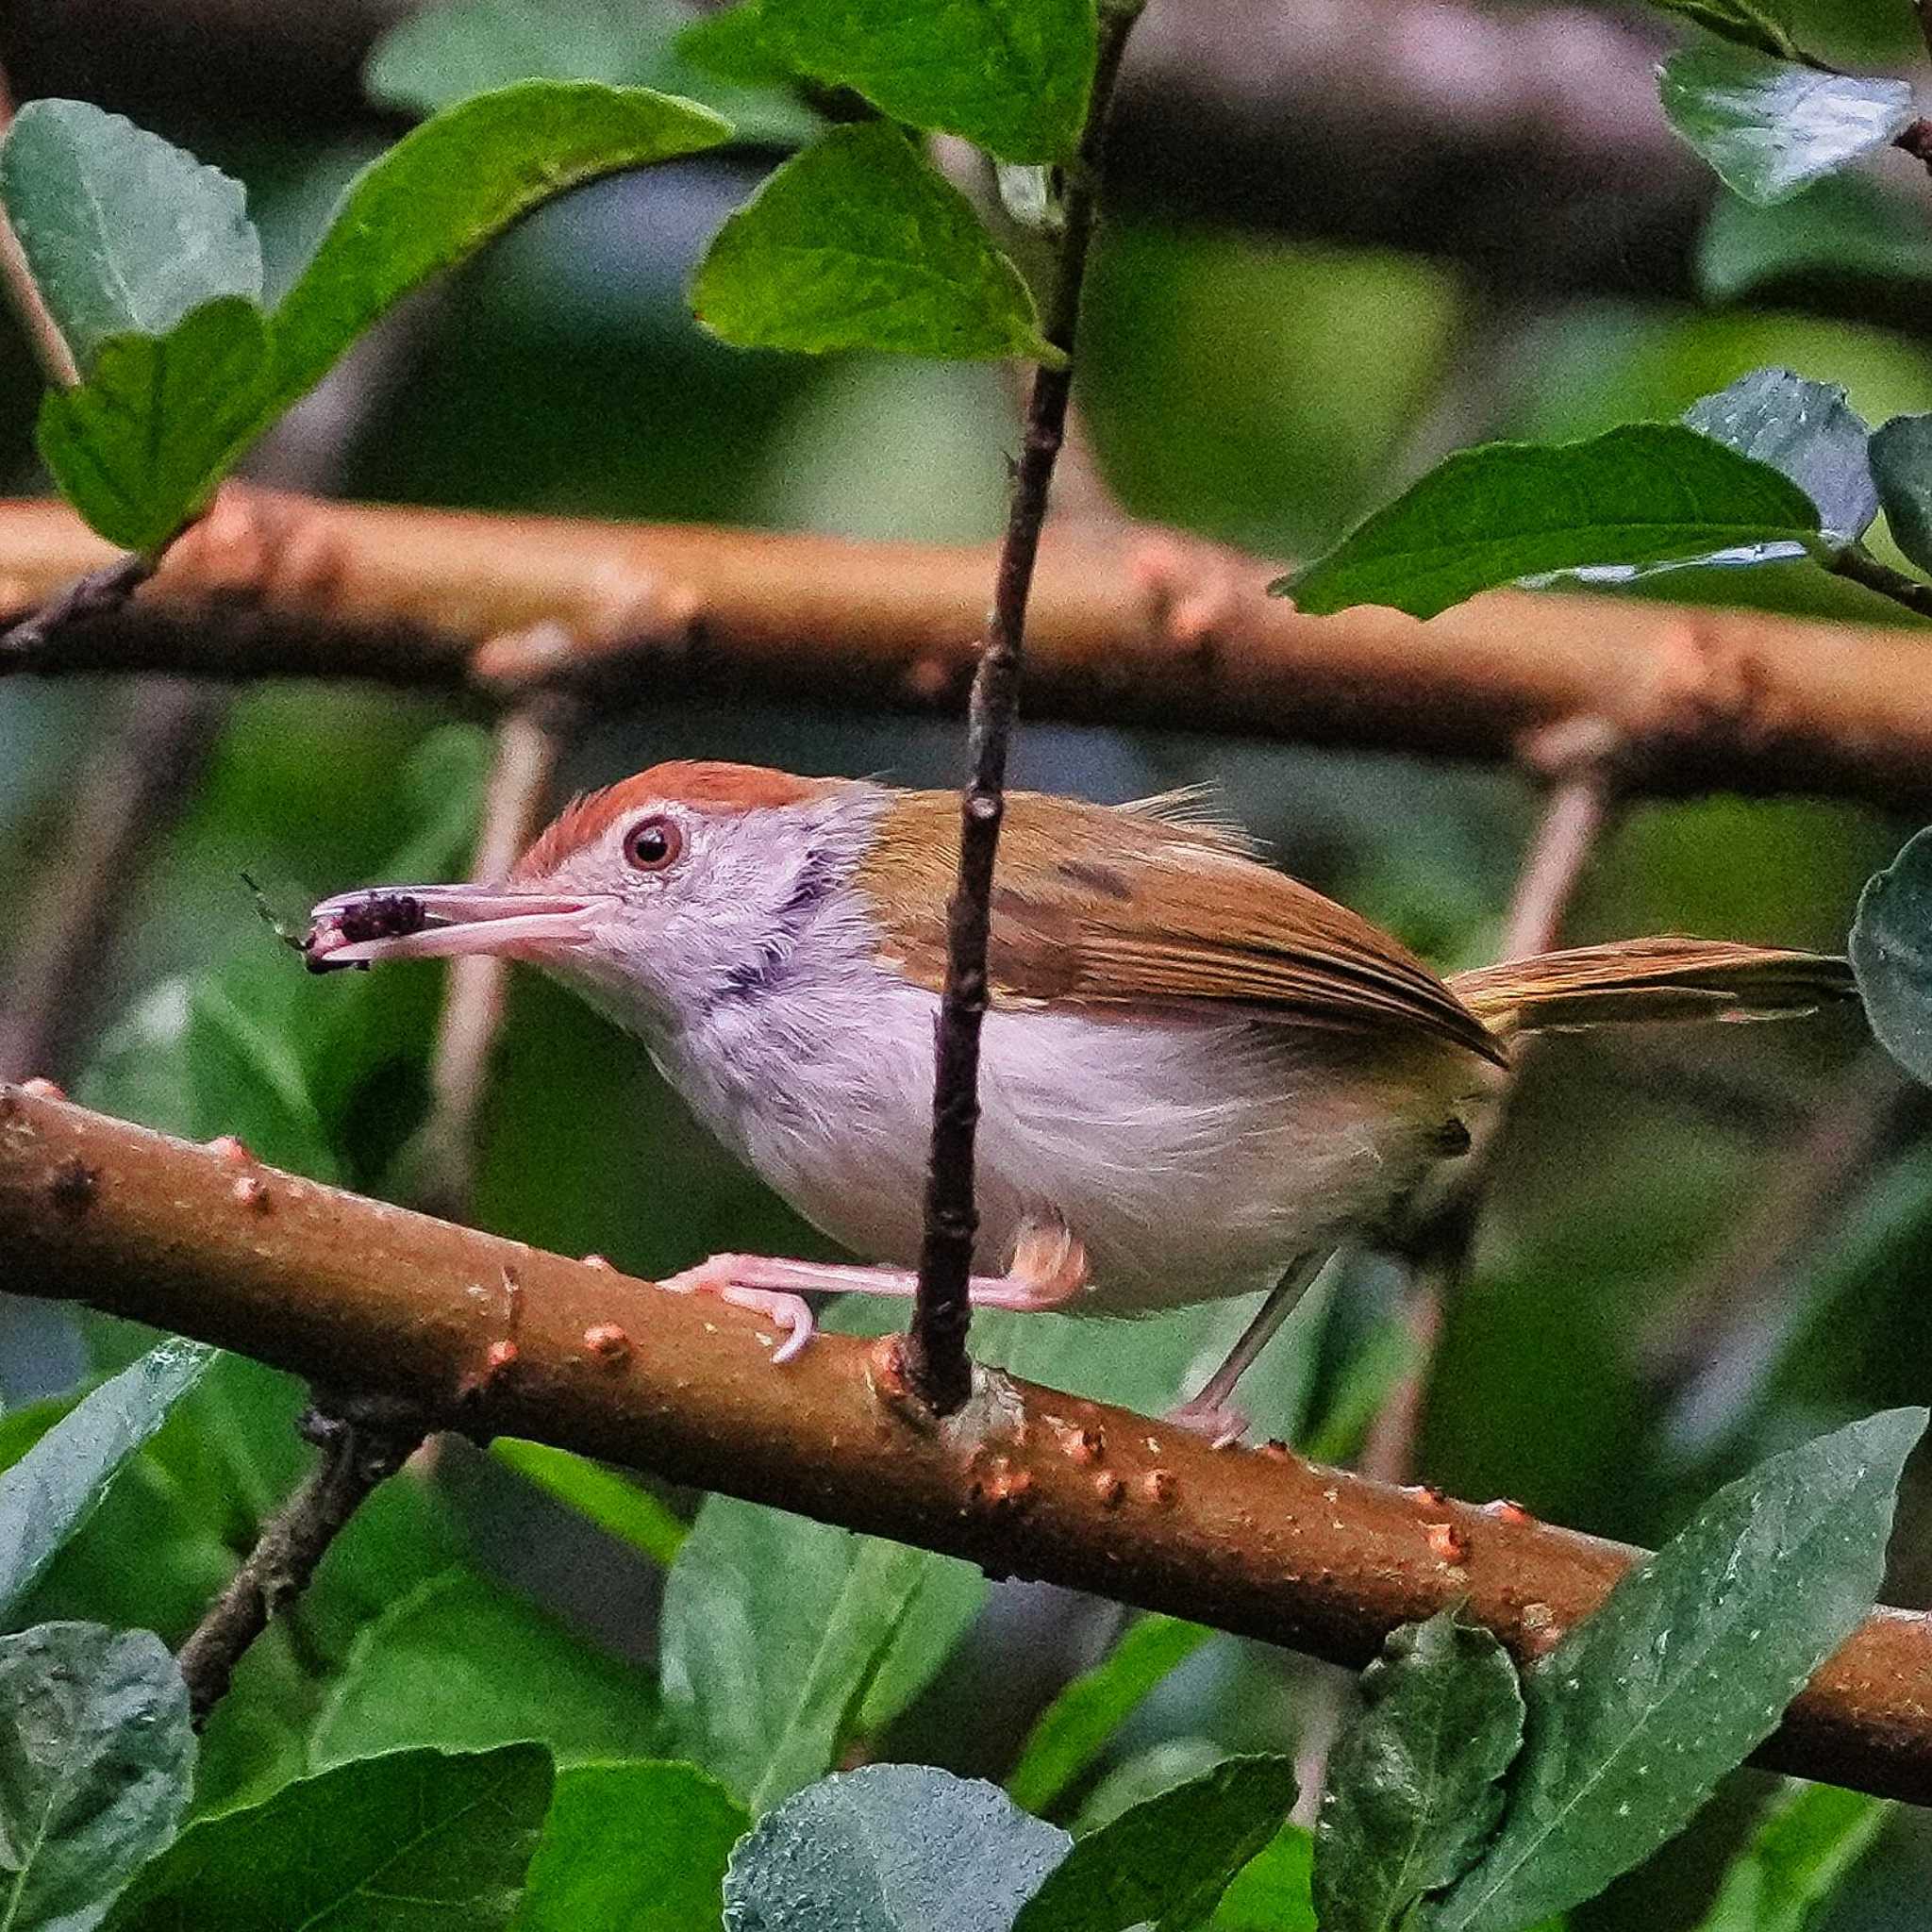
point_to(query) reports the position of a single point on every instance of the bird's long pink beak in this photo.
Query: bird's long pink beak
(439, 922)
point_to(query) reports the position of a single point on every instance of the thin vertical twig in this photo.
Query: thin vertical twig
(127, 793)
(529, 743)
(935, 1351)
(1575, 816)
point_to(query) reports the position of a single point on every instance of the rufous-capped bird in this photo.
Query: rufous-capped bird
(1198, 1076)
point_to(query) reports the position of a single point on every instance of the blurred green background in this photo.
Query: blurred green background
(1260, 389)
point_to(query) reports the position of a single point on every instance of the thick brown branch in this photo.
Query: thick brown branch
(936, 1337)
(357, 1295)
(1137, 627)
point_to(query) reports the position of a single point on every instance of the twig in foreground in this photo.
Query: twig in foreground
(355, 1457)
(935, 1352)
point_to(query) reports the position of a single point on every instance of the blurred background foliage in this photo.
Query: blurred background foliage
(1259, 389)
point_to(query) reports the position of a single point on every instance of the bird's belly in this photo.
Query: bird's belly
(1192, 1159)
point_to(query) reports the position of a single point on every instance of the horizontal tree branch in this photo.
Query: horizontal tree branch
(1135, 626)
(489, 1336)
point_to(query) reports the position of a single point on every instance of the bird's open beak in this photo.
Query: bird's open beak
(439, 922)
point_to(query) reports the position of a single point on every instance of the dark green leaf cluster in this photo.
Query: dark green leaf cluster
(152, 272)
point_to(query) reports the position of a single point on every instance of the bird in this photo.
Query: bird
(1199, 1077)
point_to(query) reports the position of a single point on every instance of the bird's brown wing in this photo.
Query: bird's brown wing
(1111, 906)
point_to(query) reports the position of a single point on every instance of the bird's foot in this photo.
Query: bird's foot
(736, 1280)
(1221, 1422)
(1048, 1269)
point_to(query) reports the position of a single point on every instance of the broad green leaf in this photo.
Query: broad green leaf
(1846, 225)
(1797, 1859)
(1168, 1862)
(1771, 127)
(1011, 75)
(640, 1847)
(1901, 465)
(191, 1060)
(734, 44)
(1686, 1668)
(1273, 1891)
(461, 1664)
(446, 54)
(455, 183)
(1806, 430)
(892, 1848)
(97, 1758)
(780, 1637)
(1892, 955)
(49, 1493)
(858, 243)
(1648, 493)
(139, 446)
(125, 234)
(1737, 22)
(404, 1842)
(1415, 1781)
(1075, 1729)
(624, 1508)
(1148, 1774)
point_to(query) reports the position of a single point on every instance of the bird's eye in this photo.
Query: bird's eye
(653, 843)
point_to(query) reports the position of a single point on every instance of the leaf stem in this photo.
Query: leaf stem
(1858, 566)
(935, 1355)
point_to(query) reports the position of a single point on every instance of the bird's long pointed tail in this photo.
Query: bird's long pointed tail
(1651, 979)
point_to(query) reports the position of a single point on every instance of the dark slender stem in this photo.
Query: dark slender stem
(936, 1363)
(98, 593)
(355, 1457)
(1861, 567)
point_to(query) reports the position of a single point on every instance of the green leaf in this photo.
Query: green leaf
(892, 1848)
(462, 1664)
(49, 1493)
(1167, 1861)
(1892, 955)
(734, 44)
(96, 1757)
(1846, 225)
(1148, 1774)
(640, 1846)
(1648, 493)
(1273, 1893)
(1075, 1728)
(1737, 22)
(139, 446)
(1686, 1668)
(780, 1637)
(857, 243)
(1772, 128)
(614, 1503)
(1415, 1782)
(454, 184)
(397, 1843)
(1011, 75)
(443, 54)
(192, 1060)
(125, 234)
(1803, 429)
(1902, 467)
(1797, 1859)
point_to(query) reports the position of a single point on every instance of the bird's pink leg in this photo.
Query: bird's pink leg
(1048, 1269)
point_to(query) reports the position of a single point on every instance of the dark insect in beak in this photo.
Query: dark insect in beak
(377, 916)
